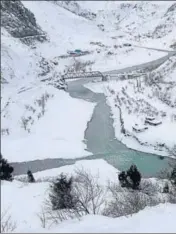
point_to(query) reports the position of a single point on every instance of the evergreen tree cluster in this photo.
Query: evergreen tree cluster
(60, 196)
(30, 177)
(5, 169)
(130, 178)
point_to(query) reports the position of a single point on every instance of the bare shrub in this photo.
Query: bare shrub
(43, 218)
(89, 195)
(172, 195)
(79, 66)
(5, 131)
(166, 173)
(42, 102)
(30, 108)
(149, 188)
(173, 151)
(51, 216)
(24, 123)
(7, 224)
(126, 202)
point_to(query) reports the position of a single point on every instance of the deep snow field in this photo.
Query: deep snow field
(39, 120)
(25, 201)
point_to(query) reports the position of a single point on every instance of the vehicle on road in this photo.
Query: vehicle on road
(77, 52)
(127, 44)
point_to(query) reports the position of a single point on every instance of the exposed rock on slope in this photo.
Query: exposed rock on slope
(19, 21)
(75, 8)
(167, 24)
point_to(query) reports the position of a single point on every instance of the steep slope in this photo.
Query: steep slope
(19, 21)
(31, 79)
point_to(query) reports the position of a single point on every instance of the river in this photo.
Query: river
(100, 137)
(100, 140)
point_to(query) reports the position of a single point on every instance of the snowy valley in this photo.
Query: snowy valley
(89, 129)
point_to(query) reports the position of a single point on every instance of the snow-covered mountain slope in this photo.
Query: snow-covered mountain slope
(39, 120)
(33, 37)
(24, 66)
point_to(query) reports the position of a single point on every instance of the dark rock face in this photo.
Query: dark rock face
(168, 24)
(75, 8)
(19, 21)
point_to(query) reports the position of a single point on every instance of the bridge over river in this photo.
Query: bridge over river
(100, 135)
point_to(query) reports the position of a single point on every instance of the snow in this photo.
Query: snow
(96, 168)
(61, 138)
(146, 221)
(164, 133)
(23, 201)
(36, 193)
(26, 201)
(65, 35)
(59, 133)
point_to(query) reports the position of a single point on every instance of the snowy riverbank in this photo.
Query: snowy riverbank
(132, 105)
(59, 133)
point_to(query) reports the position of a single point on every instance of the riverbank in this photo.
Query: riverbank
(135, 101)
(57, 132)
(100, 140)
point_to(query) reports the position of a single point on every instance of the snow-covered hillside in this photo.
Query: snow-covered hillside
(32, 197)
(40, 120)
(33, 55)
(144, 109)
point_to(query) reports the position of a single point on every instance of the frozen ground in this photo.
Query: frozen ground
(32, 196)
(26, 201)
(144, 221)
(58, 133)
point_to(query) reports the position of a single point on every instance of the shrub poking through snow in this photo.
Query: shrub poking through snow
(7, 223)
(5, 169)
(88, 194)
(30, 177)
(173, 176)
(131, 178)
(60, 196)
(73, 197)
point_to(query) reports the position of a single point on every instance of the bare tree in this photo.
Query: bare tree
(42, 102)
(88, 194)
(7, 224)
(88, 197)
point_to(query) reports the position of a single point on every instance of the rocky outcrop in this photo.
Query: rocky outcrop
(167, 23)
(20, 22)
(74, 7)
